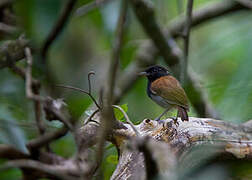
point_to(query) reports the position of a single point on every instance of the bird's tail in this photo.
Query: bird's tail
(182, 113)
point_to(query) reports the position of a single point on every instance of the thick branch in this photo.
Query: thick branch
(226, 139)
(145, 14)
(205, 14)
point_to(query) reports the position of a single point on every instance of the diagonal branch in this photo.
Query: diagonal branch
(205, 14)
(58, 27)
(145, 14)
(83, 10)
(89, 92)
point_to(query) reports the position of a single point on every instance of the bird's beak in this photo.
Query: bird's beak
(143, 73)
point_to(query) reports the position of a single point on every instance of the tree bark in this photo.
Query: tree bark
(171, 145)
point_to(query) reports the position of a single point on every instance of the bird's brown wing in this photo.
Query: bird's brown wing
(169, 88)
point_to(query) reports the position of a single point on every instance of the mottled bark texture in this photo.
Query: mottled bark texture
(172, 146)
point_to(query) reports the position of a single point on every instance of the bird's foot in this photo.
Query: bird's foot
(175, 119)
(158, 120)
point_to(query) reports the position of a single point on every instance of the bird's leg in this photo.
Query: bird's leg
(176, 119)
(159, 117)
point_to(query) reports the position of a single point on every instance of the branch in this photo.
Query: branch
(5, 3)
(246, 3)
(12, 51)
(108, 121)
(36, 165)
(89, 92)
(83, 10)
(145, 14)
(9, 152)
(186, 35)
(46, 138)
(8, 29)
(203, 15)
(58, 27)
(127, 119)
(231, 141)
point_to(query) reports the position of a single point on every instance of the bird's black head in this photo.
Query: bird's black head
(155, 72)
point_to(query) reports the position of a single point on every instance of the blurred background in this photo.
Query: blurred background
(220, 54)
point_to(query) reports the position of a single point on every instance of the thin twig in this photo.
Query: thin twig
(89, 93)
(28, 77)
(128, 120)
(32, 92)
(89, 81)
(91, 116)
(58, 27)
(186, 40)
(81, 90)
(8, 29)
(46, 138)
(83, 10)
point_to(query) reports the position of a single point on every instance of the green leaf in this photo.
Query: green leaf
(112, 159)
(10, 133)
(118, 114)
(110, 146)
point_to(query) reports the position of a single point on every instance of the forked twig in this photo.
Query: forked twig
(89, 93)
(91, 116)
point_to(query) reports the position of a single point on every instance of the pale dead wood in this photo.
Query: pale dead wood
(225, 138)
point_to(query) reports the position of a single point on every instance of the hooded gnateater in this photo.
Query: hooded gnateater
(166, 91)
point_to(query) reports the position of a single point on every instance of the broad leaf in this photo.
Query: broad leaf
(9, 132)
(118, 114)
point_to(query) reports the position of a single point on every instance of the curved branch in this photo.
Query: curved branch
(58, 27)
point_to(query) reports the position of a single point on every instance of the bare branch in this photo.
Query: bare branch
(205, 14)
(55, 110)
(28, 77)
(247, 3)
(108, 121)
(32, 92)
(83, 10)
(8, 29)
(58, 27)
(12, 51)
(9, 152)
(46, 138)
(32, 164)
(5, 3)
(89, 81)
(89, 93)
(186, 35)
(170, 143)
(83, 91)
(127, 119)
(145, 14)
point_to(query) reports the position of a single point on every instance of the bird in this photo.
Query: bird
(166, 91)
